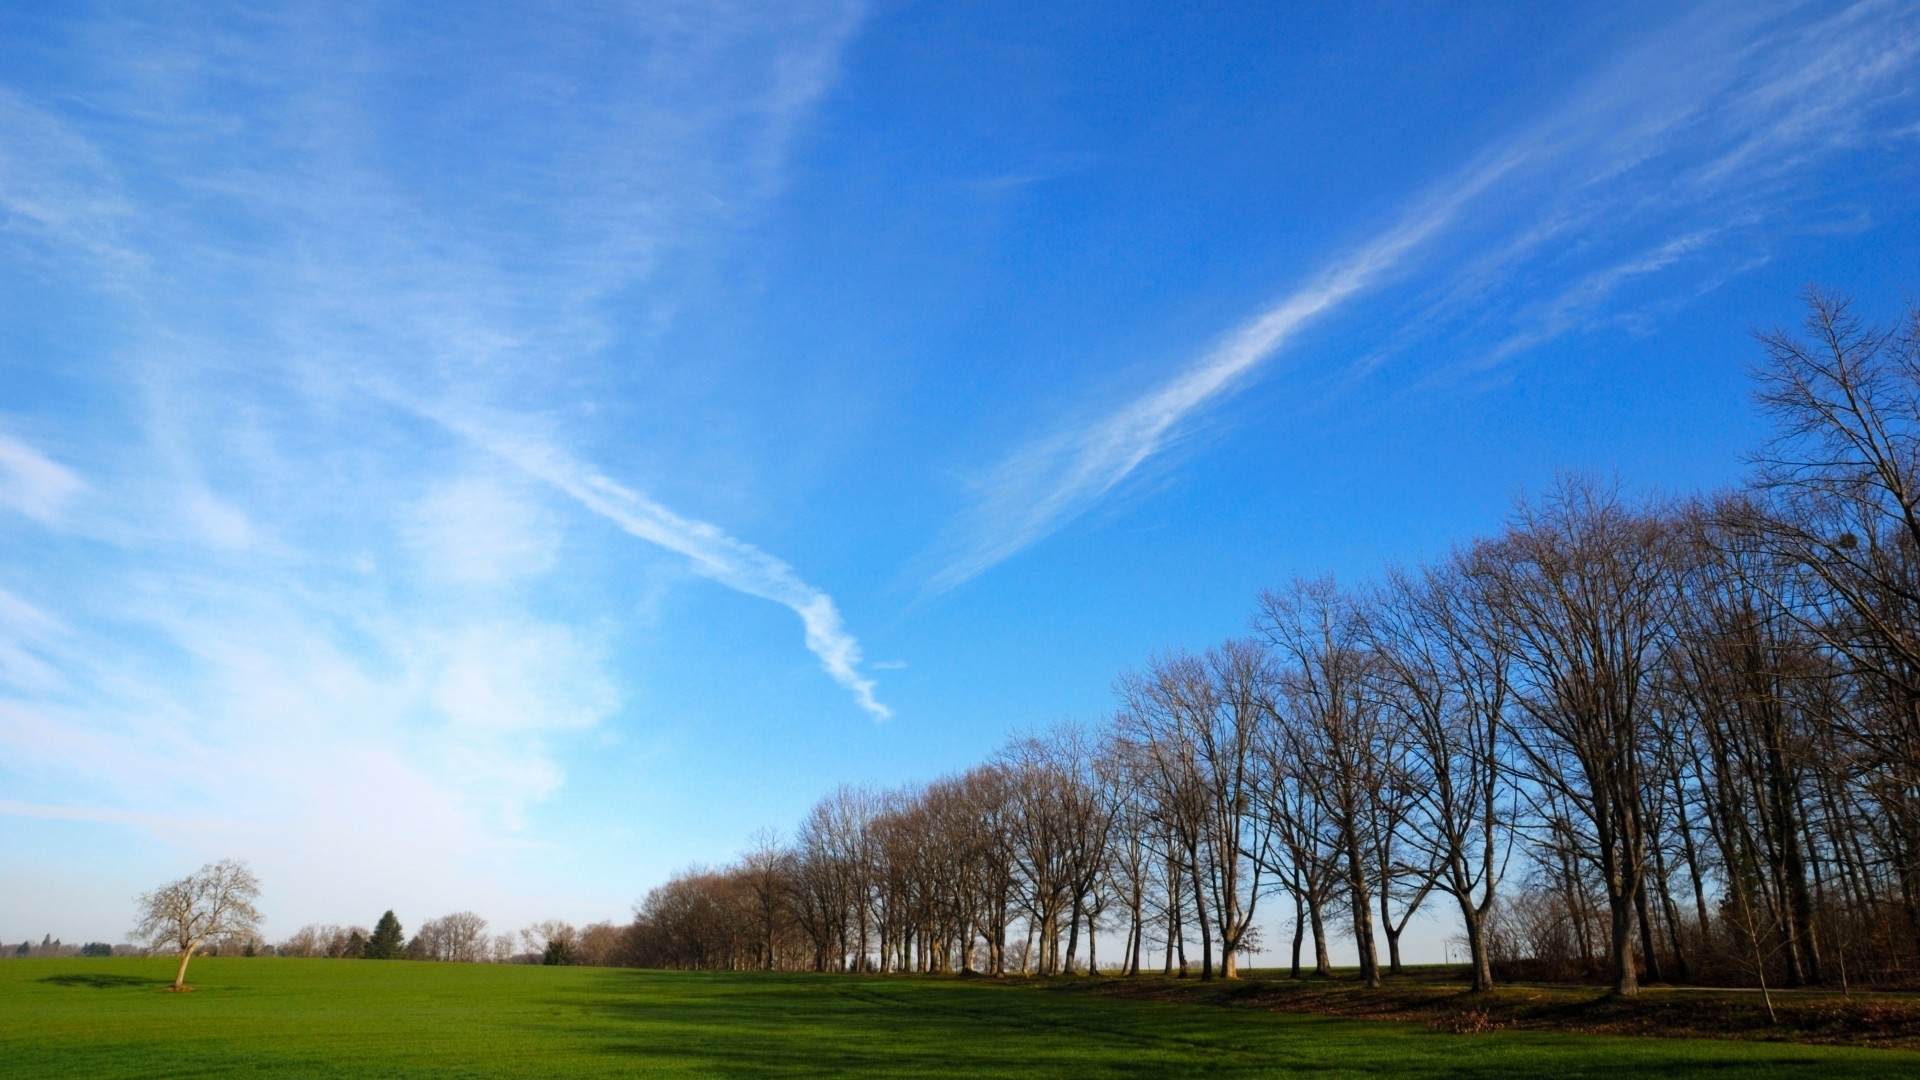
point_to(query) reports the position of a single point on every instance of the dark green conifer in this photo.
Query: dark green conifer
(387, 942)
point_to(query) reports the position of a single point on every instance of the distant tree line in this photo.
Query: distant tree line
(51, 946)
(462, 937)
(1624, 739)
(211, 912)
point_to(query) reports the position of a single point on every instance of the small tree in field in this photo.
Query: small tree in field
(214, 902)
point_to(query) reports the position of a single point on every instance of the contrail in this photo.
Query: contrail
(714, 554)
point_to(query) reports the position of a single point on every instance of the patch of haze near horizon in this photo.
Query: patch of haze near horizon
(313, 609)
(1704, 118)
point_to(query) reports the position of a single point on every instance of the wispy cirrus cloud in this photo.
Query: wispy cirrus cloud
(34, 484)
(309, 236)
(399, 311)
(1043, 485)
(1686, 139)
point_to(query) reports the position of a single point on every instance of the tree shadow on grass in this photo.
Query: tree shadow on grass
(101, 981)
(781, 1025)
(774, 1026)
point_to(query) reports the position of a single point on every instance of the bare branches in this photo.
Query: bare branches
(460, 937)
(212, 903)
(1445, 659)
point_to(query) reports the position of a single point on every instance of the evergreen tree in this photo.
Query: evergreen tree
(387, 942)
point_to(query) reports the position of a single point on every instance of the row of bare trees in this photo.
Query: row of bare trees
(461, 937)
(1674, 740)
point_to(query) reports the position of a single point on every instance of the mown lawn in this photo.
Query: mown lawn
(269, 1017)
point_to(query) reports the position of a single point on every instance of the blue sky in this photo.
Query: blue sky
(486, 457)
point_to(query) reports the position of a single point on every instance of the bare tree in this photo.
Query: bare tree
(1135, 860)
(769, 874)
(993, 807)
(1048, 830)
(460, 937)
(1584, 582)
(309, 940)
(1445, 656)
(1196, 726)
(1302, 854)
(464, 937)
(597, 945)
(1334, 732)
(835, 876)
(212, 903)
(552, 939)
(1842, 477)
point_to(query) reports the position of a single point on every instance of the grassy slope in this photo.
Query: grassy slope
(99, 1018)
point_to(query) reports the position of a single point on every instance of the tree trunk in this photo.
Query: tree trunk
(1093, 960)
(1174, 930)
(1137, 944)
(1670, 911)
(1299, 931)
(1626, 981)
(1647, 929)
(1130, 959)
(1322, 962)
(1073, 935)
(1477, 946)
(1200, 916)
(1362, 909)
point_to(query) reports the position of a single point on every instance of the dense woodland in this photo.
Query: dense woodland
(1626, 739)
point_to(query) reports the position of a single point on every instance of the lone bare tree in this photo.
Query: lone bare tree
(215, 901)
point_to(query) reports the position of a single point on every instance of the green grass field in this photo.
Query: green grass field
(105, 1018)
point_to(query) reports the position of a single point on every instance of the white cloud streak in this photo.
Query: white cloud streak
(34, 484)
(713, 554)
(1763, 100)
(1040, 487)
